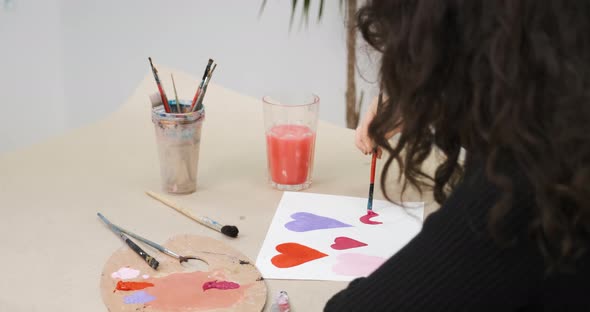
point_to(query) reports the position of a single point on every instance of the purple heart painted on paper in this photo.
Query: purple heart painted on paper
(305, 221)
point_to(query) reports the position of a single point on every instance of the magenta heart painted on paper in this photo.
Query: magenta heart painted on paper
(357, 265)
(342, 243)
(305, 221)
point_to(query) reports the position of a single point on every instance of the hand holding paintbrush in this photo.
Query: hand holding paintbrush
(374, 163)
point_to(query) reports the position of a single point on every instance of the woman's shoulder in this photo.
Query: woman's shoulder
(476, 195)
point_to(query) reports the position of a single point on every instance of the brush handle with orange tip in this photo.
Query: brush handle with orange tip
(374, 161)
(160, 89)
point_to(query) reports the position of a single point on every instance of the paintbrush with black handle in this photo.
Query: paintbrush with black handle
(151, 261)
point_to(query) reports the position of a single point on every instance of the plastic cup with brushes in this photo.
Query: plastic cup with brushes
(178, 125)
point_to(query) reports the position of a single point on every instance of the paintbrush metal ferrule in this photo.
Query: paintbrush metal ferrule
(372, 180)
(370, 200)
(206, 221)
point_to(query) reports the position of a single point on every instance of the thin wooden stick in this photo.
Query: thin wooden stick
(175, 94)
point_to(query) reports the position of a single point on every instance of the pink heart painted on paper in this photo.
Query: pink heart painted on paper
(357, 265)
(342, 243)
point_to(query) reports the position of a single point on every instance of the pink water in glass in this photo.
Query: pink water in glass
(290, 153)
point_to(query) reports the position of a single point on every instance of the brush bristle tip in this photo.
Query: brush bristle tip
(230, 230)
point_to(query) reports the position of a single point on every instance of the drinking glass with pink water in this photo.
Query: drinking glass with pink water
(290, 128)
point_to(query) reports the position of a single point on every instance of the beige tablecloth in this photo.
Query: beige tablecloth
(54, 246)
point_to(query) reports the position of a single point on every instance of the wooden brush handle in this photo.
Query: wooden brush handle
(202, 220)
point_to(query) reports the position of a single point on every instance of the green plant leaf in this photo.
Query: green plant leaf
(321, 10)
(293, 7)
(306, 10)
(262, 6)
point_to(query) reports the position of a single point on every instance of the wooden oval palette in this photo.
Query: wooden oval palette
(231, 281)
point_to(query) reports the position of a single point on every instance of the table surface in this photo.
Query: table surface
(54, 246)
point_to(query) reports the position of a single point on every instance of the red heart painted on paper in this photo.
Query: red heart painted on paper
(342, 242)
(293, 254)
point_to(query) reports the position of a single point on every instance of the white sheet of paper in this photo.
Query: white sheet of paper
(399, 226)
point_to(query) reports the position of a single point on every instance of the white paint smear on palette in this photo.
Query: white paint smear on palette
(125, 273)
(302, 218)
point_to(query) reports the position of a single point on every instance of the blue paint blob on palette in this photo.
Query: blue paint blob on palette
(139, 297)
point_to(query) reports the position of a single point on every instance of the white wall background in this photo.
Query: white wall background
(66, 63)
(32, 98)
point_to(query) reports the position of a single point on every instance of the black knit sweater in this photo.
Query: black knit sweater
(454, 265)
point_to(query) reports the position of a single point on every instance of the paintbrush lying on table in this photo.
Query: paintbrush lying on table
(151, 261)
(229, 230)
(158, 247)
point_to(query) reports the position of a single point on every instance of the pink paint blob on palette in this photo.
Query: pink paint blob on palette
(220, 285)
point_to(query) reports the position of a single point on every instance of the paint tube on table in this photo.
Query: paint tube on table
(281, 303)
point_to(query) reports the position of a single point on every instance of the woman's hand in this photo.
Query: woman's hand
(361, 139)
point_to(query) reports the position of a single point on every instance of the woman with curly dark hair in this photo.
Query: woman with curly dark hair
(510, 82)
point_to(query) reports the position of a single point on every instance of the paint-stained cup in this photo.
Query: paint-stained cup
(178, 136)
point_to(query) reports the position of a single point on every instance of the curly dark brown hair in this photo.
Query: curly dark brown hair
(508, 79)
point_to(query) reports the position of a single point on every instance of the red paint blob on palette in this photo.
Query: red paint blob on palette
(293, 254)
(128, 286)
(366, 219)
(342, 243)
(223, 285)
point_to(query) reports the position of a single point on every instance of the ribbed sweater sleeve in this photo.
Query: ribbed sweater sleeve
(453, 264)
